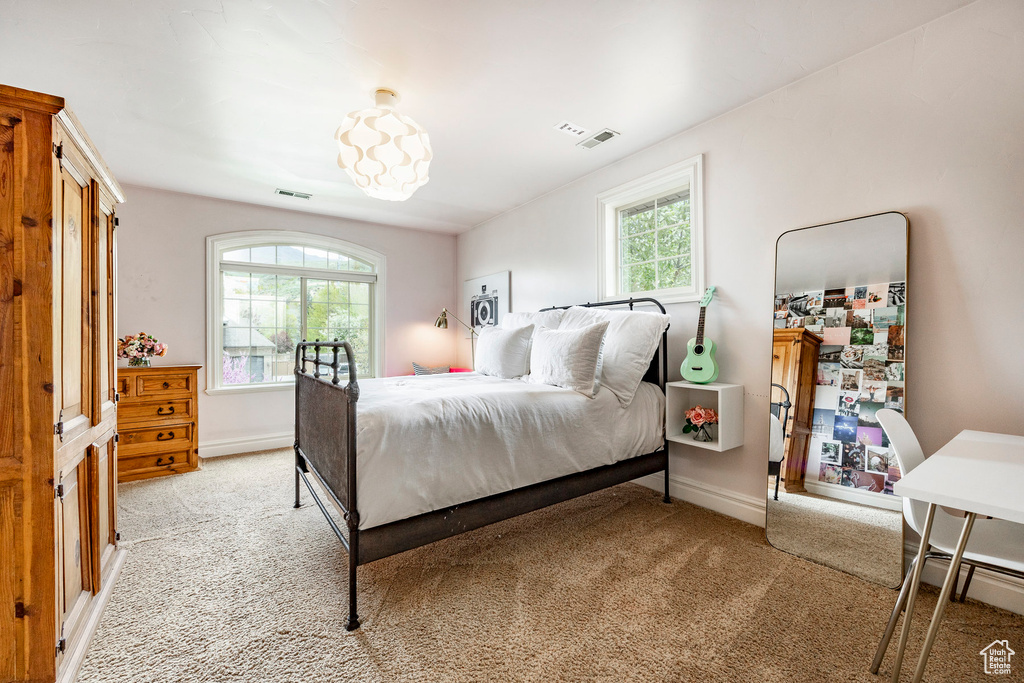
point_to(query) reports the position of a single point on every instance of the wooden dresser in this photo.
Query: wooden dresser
(795, 366)
(158, 421)
(59, 555)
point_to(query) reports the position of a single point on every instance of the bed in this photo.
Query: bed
(434, 456)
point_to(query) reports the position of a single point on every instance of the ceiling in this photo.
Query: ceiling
(234, 98)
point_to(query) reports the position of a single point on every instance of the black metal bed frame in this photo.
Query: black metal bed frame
(325, 446)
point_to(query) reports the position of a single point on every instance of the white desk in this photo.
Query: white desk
(979, 472)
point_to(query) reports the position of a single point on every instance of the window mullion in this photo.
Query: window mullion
(303, 332)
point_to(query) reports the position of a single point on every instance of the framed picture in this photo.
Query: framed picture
(488, 299)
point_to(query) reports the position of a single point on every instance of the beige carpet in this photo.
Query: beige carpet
(862, 540)
(225, 581)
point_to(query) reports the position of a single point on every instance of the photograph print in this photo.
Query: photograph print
(867, 481)
(895, 335)
(821, 424)
(830, 353)
(862, 337)
(894, 396)
(897, 293)
(829, 374)
(489, 300)
(831, 451)
(854, 456)
(872, 391)
(878, 459)
(835, 298)
(874, 367)
(867, 416)
(883, 318)
(858, 319)
(830, 474)
(852, 358)
(870, 436)
(845, 429)
(850, 381)
(878, 295)
(894, 371)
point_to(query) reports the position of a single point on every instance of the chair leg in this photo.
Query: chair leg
(777, 478)
(897, 609)
(967, 583)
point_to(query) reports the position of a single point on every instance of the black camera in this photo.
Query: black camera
(483, 308)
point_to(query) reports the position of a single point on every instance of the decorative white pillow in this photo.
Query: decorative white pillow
(568, 358)
(632, 339)
(549, 319)
(504, 353)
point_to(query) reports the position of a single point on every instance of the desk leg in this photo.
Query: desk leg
(947, 587)
(915, 584)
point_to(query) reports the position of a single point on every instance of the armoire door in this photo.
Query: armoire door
(73, 391)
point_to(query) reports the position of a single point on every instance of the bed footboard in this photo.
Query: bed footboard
(325, 441)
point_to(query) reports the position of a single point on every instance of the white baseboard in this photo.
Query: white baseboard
(749, 509)
(852, 495)
(247, 444)
(994, 589)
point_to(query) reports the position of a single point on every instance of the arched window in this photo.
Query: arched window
(268, 290)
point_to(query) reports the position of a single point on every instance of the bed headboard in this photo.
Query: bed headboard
(657, 371)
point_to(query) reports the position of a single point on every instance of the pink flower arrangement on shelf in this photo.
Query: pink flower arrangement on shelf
(139, 348)
(698, 419)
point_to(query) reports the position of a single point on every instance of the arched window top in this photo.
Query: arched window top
(295, 250)
(297, 256)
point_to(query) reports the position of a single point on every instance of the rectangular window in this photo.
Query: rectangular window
(651, 236)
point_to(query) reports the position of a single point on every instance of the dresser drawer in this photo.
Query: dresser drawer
(145, 466)
(155, 412)
(157, 386)
(153, 439)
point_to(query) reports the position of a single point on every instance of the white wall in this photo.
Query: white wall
(162, 290)
(930, 123)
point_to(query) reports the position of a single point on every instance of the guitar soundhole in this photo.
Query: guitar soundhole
(698, 349)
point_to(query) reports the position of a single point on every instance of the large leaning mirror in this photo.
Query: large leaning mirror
(838, 357)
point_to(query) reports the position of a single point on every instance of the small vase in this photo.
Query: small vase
(702, 434)
(139, 362)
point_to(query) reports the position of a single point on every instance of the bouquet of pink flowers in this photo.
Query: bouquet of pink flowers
(698, 419)
(139, 348)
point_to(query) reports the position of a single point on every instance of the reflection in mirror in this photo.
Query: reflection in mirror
(837, 359)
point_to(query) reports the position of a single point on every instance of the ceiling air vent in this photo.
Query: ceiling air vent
(595, 140)
(571, 129)
(292, 193)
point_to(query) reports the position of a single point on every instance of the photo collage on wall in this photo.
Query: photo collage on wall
(860, 371)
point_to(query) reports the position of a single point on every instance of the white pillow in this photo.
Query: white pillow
(632, 339)
(549, 319)
(504, 353)
(568, 358)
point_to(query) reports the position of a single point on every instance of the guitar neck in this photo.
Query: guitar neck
(700, 327)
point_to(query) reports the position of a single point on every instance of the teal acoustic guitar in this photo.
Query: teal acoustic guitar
(700, 366)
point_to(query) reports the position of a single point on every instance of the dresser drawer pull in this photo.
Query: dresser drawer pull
(161, 411)
(168, 437)
(167, 385)
(170, 461)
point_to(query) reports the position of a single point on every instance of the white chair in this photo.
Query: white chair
(995, 544)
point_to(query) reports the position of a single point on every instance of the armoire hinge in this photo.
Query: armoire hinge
(61, 645)
(117, 397)
(117, 438)
(58, 428)
(117, 535)
(58, 491)
(58, 150)
(117, 222)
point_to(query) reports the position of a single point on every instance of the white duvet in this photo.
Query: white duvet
(429, 442)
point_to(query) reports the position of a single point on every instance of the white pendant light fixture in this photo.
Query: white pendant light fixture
(385, 153)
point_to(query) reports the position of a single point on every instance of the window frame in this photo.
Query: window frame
(689, 172)
(225, 242)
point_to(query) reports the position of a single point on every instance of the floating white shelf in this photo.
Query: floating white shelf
(726, 399)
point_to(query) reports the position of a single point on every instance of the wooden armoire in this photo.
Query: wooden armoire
(795, 366)
(58, 467)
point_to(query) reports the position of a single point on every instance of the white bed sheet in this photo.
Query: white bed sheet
(432, 441)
